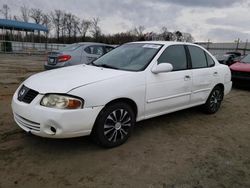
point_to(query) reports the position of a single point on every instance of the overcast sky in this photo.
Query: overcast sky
(217, 20)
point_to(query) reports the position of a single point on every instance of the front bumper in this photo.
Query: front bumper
(53, 123)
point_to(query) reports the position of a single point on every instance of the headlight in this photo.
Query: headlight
(61, 102)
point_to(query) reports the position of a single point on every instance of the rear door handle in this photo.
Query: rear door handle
(215, 73)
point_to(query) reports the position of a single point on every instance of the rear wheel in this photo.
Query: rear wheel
(214, 100)
(114, 125)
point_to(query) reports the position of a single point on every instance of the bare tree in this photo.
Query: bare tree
(178, 35)
(46, 21)
(69, 18)
(187, 37)
(84, 27)
(16, 18)
(63, 25)
(95, 28)
(164, 32)
(138, 31)
(167, 35)
(170, 37)
(75, 25)
(5, 11)
(25, 13)
(36, 15)
(56, 18)
(164, 29)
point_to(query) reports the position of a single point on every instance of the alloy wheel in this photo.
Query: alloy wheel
(117, 125)
(215, 100)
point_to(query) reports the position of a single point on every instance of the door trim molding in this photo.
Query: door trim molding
(166, 98)
(202, 90)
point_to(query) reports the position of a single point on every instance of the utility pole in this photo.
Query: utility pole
(237, 45)
(245, 47)
(208, 41)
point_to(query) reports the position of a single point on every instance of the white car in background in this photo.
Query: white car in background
(133, 82)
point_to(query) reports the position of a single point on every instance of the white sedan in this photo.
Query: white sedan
(134, 82)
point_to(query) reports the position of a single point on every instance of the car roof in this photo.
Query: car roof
(92, 43)
(164, 42)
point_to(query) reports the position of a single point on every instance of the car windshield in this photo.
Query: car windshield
(70, 47)
(246, 59)
(130, 57)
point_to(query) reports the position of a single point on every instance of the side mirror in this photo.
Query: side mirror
(162, 67)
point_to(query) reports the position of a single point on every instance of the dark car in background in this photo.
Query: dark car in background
(229, 58)
(241, 71)
(77, 53)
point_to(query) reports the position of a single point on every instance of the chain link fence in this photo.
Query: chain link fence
(42, 48)
(222, 48)
(28, 47)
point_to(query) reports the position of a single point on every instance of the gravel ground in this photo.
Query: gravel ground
(179, 150)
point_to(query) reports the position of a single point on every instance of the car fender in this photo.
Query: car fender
(131, 86)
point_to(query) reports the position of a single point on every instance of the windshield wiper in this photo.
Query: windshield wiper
(102, 65)
(106, 66)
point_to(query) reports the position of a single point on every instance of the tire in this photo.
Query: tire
(114, 125)
(214, 100)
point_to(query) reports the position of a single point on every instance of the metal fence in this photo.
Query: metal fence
(28, 47)
(222, 48)
(43, 48)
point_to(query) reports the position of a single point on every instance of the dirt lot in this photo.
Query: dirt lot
(183, 149)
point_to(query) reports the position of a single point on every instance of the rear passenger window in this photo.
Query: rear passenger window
(175, 55)
(96, 50)
(210, 61)
(198, 57)
(88, 50)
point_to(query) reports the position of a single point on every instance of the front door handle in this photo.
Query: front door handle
(187, 77)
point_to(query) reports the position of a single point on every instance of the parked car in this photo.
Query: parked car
(236, 54)
(229, 58)
(77, 53)
(133, 82)
(241, 71)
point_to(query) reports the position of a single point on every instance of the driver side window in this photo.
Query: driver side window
(175, 55)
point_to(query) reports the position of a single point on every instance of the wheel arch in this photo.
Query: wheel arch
(220, 85)
(128, 101)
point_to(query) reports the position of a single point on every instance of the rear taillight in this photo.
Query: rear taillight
(63, 58)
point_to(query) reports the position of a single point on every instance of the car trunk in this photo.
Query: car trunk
(52, 57)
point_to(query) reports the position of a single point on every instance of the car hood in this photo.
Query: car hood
(243, 67)
(66, 79)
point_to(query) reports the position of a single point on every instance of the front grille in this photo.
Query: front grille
(240, 74)
(31, 125)
(26, 94)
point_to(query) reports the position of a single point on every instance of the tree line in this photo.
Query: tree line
(66, 27)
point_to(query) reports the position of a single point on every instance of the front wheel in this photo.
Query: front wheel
(114, 125)
(214, 100)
